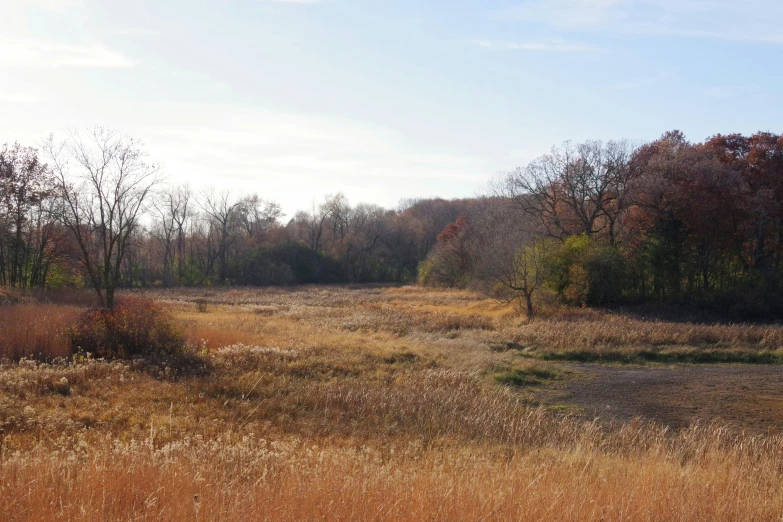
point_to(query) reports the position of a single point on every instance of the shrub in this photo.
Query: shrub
(201, 305)
(136, 326)
(442, 268)
(584, 270)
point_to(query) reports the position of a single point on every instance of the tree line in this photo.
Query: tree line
(93, 211)
(591, 223)
(610, 223)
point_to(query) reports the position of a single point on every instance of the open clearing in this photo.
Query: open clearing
(748, 397)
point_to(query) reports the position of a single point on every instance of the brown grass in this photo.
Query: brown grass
(333, 403)
(261, 479)
(617, 337)
(35, 330)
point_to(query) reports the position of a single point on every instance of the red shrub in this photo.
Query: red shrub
(136, 326)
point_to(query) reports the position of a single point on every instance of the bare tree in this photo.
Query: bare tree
(339, 213)
(367, 226)
(312, 225)
(163, 232)
(106, 184)
(257, 216)
(513, 258)
(172, 214)
(178, 200)
(575, 188)
(222, 216)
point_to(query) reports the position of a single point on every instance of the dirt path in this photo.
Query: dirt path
(747, 396)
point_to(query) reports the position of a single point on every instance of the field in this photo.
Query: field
(391, 403)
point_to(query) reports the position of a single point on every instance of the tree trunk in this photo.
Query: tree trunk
(529, 304)
(110, 298)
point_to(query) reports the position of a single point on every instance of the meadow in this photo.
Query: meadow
(366, 403)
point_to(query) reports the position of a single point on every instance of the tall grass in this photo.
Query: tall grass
(601, 336)
(361, 404)
(440, 315)
(474, 455)
(272, 442)
(263, 480)
(35, 330)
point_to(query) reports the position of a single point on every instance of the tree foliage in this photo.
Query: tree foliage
(667, 220)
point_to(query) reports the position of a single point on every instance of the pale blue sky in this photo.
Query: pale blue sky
(379, 99)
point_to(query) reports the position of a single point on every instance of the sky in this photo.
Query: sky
(383, 100)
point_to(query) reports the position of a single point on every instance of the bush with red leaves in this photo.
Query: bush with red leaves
(135, 327)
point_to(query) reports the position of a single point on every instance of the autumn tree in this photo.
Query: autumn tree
(403, 244)
(688, 218)
(258, 216)
(27, 217)
(575, 189)
(451, 262)
(758, 159)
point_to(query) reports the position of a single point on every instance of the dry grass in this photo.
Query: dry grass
(335, 403)
(616, 337)
(260, 479)
(417, 446)
(420, 447)
(459, 325)
(35, 329)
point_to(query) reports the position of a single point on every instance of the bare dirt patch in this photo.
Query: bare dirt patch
(749, 397)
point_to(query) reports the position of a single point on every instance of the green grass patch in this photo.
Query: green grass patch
(529, 375)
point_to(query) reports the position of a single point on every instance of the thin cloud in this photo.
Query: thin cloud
(135, 31)
(549, 46)
(566, 14)
(293, 153)
(751, 21)
(43, 54)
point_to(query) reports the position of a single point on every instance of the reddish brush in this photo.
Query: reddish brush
(135, 326)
